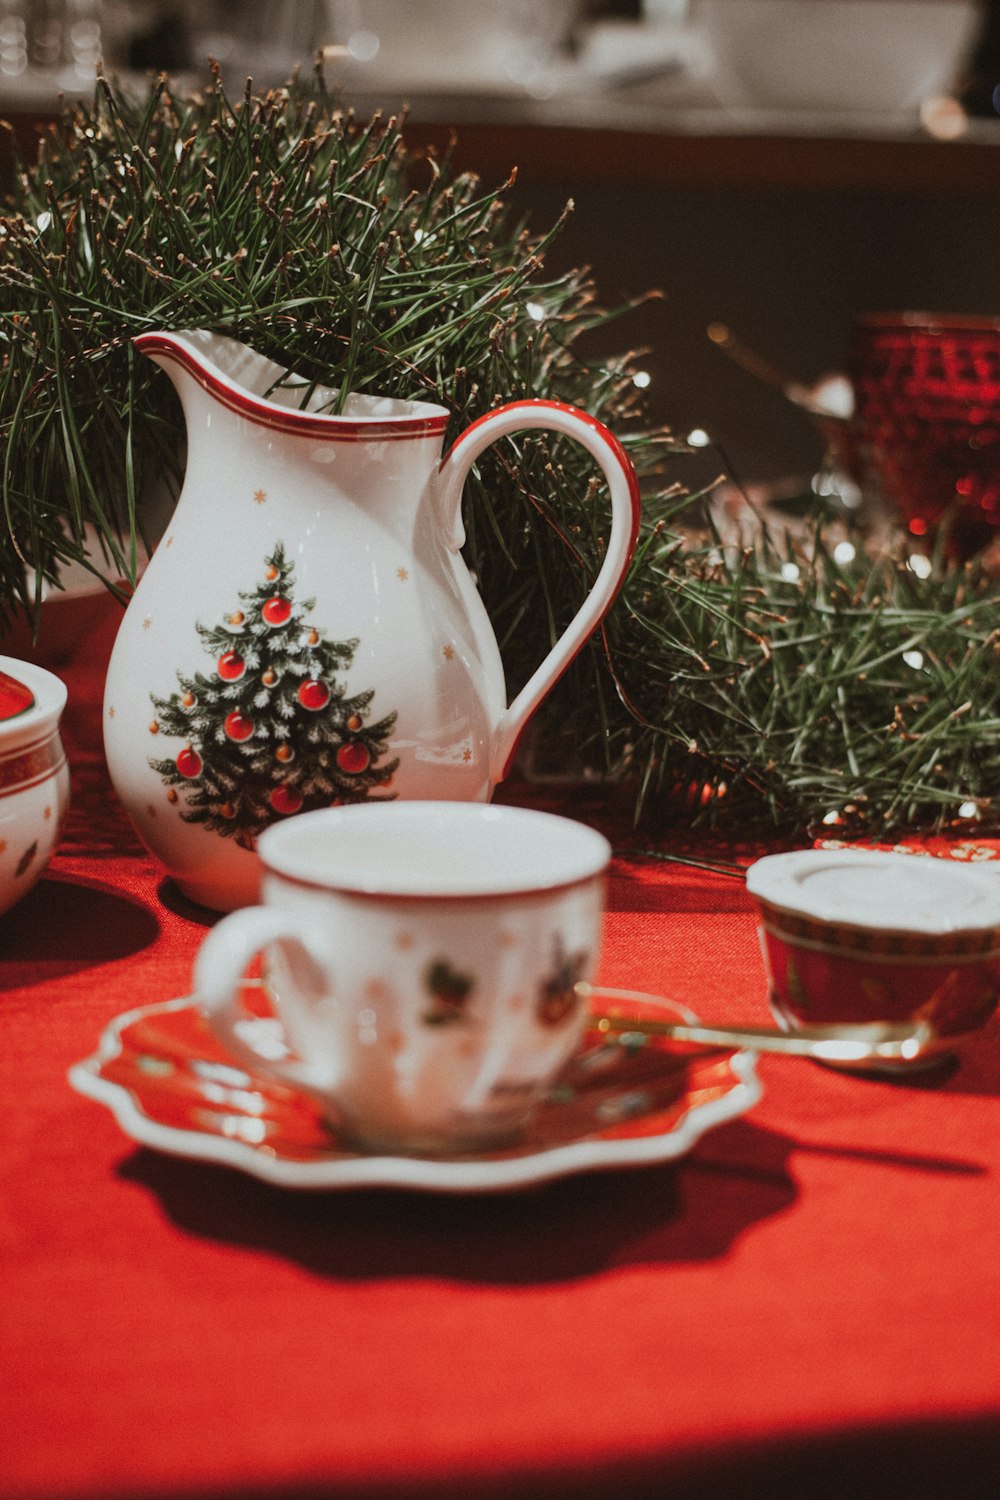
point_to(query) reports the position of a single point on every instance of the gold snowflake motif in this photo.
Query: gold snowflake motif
(111, 711)
(466, 756)
(402, 574)
(259, 496)
(47, 813)
(448, 652)
(147, 622)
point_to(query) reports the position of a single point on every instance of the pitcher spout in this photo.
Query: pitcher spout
(203, 365)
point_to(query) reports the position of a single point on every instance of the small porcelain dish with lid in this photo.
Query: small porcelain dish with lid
(854, 935)
(34, 776)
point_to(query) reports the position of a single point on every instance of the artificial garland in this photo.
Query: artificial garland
(746, 686)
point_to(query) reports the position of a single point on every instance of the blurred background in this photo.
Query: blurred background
(776, 168)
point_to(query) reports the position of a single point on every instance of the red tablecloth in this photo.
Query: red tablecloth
(805, 1306)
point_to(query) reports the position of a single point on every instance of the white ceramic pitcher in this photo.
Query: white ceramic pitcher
(307, 633)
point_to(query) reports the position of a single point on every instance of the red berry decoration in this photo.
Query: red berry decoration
(270, 572)
(354, 723)
(269, 677)
(230, 666)
(189, 763)
(284, 753)
(286, 800)
(313, 694)
(353, 757)
(276, 610)
(237, 726)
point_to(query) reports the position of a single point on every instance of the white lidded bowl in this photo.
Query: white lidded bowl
(871, 56)
(34, 776)
(857, 935)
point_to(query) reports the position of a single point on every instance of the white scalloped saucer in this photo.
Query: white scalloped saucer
(170, 1085)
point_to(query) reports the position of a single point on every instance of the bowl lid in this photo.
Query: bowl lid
(876, 889)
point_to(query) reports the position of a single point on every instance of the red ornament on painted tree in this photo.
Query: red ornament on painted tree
(313, 694)
(237, 726)
(286, 800)
(230, 666)
(276, 610)
(353, 758)
(189, 763)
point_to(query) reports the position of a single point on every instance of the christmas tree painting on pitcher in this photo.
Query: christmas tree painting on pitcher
(269, 730)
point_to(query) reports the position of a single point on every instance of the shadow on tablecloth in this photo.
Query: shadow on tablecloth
(65, 924)
(577, 1226)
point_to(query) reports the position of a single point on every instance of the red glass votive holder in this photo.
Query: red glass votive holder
(927, 421)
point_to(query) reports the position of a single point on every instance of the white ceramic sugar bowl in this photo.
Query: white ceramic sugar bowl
(34, 776)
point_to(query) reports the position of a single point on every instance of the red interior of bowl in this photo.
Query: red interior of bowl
(15, 698)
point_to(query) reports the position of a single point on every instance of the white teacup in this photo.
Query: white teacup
(425, 961)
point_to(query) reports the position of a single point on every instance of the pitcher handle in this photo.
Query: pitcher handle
(617, 468)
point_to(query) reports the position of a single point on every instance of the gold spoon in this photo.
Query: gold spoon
(875, 1041)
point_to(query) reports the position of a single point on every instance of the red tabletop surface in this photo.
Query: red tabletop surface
(806, 1305)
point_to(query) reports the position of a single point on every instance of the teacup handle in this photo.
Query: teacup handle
(624, 488)
(221, 965)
